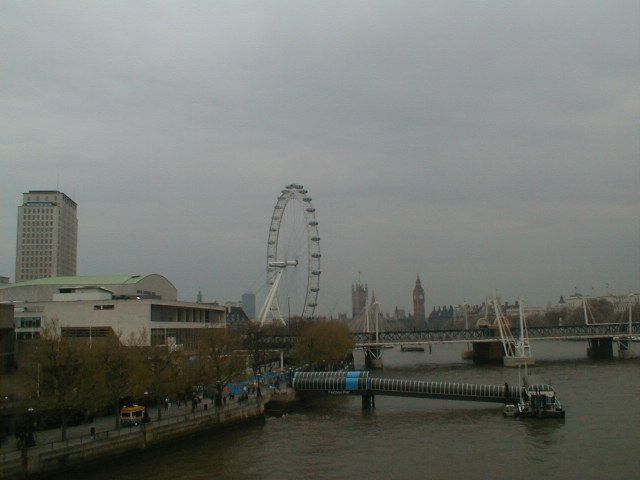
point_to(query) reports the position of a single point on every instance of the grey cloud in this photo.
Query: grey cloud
(487, 146)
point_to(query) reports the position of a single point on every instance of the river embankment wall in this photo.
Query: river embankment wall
(57, 456)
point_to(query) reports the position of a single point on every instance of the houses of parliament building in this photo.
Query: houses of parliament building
(418, 321)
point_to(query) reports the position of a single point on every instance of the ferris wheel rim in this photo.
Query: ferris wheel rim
(297, 193)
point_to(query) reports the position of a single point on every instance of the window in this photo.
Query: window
(27, 322)
(103, 307)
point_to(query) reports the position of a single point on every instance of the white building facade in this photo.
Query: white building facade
(142, 307)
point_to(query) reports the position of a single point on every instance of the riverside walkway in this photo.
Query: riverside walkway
(104, 426)
(50, 453)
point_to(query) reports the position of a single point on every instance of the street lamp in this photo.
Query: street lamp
(30, 441)
(632, 300)
(145, 417)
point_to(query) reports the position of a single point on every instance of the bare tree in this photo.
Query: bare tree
(160, 371)
(120, 367)
(599, 311)
(220, 361)
(253, 343)
(323, 344)
(187, 376)
(66, 372)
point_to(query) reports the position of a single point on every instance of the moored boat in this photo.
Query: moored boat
(537, 400)
(518, 361)
(411, 348)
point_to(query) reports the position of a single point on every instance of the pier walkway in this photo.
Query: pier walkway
(359, 383)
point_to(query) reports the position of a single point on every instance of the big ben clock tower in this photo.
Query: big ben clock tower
(418, 306)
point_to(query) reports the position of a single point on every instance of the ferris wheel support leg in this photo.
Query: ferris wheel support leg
(266, 307)
(276, 313)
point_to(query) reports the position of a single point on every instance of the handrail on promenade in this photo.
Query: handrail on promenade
(89, 439)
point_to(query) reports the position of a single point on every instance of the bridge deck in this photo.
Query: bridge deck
(567, 332)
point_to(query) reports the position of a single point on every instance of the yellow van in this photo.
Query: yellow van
(131, 415)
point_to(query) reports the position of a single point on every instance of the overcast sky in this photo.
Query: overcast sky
(491, 147)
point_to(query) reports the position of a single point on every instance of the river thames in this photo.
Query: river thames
(418, 438)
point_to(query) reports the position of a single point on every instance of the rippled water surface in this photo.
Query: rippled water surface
(417, 438)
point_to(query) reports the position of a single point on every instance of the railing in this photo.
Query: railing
(428, 336)
(359, 383)
(474, 335)
(586, 331)
(86, 440)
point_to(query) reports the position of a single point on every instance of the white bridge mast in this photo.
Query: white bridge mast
(516, 352)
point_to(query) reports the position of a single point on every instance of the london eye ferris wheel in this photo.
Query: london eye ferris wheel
(293, 258)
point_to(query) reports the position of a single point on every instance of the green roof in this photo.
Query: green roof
(79, 281)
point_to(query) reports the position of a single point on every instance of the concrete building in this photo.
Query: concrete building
(249, 304)
(47, 240)
(126, 305)
(7, 338)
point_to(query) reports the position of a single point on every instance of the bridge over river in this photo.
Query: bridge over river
(567, 332)
(472, 335)
(487, 342)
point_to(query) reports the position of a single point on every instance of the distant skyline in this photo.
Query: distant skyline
(488, 147)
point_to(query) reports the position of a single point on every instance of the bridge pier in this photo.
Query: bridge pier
(368, 401)
(600, 348)
(373, 358)
(488, 352)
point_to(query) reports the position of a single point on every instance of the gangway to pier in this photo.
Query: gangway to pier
(533, 400)
(359, 383)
